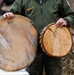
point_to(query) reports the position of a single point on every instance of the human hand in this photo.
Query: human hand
(8, 15)
(61, 22)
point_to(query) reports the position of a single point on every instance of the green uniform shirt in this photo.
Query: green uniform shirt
(43, 14)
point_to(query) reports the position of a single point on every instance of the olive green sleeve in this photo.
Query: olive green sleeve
(67, 12)
(16, 7)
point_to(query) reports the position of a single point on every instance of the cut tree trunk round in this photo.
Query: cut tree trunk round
(56, 41)
(18, 43)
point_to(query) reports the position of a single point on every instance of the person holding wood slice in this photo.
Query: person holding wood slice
(43, 12)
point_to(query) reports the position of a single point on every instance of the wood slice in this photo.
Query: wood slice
(56, 41)
(18, 43)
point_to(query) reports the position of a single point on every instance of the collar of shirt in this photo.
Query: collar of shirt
(41, 1)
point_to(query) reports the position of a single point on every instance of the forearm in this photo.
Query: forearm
(67, 12)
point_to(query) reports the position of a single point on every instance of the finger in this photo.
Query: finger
(63, 24)
(8, 15)
(4, 15)
(59, 23)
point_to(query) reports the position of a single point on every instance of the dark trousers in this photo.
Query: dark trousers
(52, 65)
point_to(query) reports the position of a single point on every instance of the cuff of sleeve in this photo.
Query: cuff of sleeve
(67, 21)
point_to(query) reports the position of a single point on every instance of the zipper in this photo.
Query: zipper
(41, 11)
(41, 6)
(41, 15)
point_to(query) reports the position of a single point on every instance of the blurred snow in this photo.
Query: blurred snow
(19, 72)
